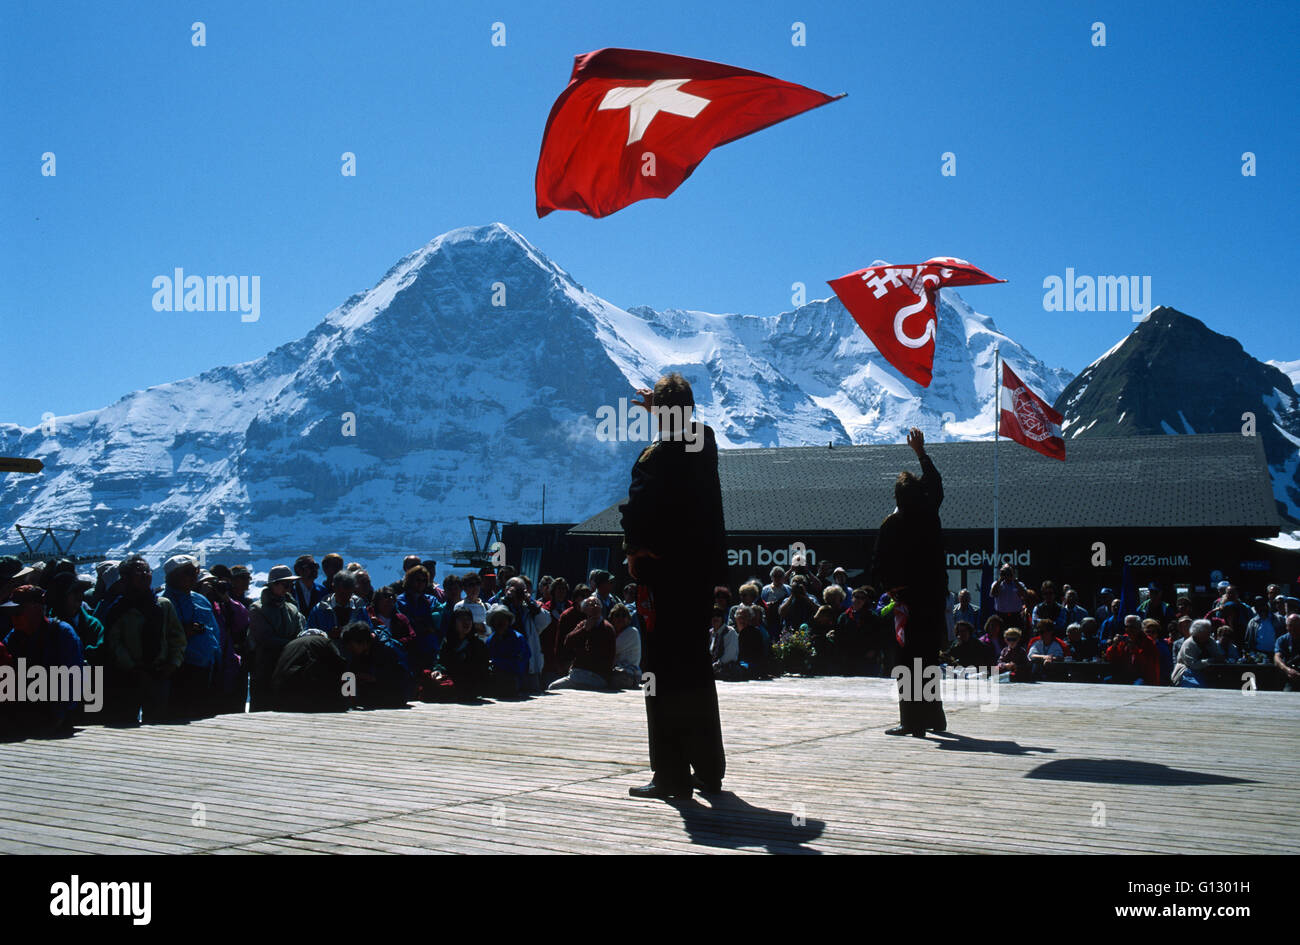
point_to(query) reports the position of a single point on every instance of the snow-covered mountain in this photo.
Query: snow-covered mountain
(1172, 374)
(465, 380)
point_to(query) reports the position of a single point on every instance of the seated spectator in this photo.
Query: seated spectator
(365, 590)
(330, 565)
(145, 645)
(1182, 631)
(1133, 656)
(419, 607)
(778, 590)
(752, 645)
(592, 644)
(51, 644)
(1071, 610)
(602, 583)
(340, 608)
(557, 602)
(1088, 647)
(627, 648)
(1046, 651)
(993, 637)
(531, 620)
(1223, 636)
(1263, 629)
(1049, 609)
(1154, 606)
(1287, 656)
(857, 637)
(308, 675)
(439, 593)
(463, 660)
(273, 621)
(385, 616)
(799, 607)
(822, 630)
(968, 651)
(1197, 652)
(472, 584)
(508, 651)
(1233, 612)
(1164, 654)
(964, 611)
(378, 666)
(555, 653)
(1113, 625)
(1013, 662)
(749, 594)
(724, 646)
(306, 592)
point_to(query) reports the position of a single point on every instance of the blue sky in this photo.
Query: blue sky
(1122, 160)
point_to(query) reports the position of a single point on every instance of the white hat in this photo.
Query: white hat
(177, 561)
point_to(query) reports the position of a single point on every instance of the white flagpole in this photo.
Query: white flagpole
(997, 416)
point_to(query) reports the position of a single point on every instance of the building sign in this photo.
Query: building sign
(765, 557)
(975, 558)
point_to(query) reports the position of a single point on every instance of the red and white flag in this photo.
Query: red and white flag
(1027, 418)
(633, 124)
(894, 305)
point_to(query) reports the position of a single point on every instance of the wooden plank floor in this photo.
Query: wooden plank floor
(1055, 768)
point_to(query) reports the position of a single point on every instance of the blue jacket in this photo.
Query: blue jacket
(508, 651)
(54, 644)
(322, 615)
(204, 647)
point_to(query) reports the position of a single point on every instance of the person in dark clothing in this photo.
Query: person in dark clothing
(51, 645)
(969, 651)
(464, 659)
(378, 663)
(308, 675)
(909, 563)
(675, 541)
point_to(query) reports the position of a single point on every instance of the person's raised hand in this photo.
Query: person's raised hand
(916, 440)
(646, 396)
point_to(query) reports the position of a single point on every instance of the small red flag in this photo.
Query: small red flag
(633, 124)
(895, 307)
(1027, 418)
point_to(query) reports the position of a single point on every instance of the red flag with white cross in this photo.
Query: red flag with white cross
(1027, 418)
(634, 124)
(894, 305)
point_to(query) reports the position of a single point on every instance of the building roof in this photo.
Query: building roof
(1197, 481)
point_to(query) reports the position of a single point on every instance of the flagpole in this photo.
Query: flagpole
(997, 416)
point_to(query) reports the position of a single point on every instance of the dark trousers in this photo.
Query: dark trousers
(192, 692)
(926, 629)
(685, 732)
(133, 698)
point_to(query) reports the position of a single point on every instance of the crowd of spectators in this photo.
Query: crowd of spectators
(323, 637)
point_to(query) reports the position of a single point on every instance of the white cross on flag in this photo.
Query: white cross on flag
(1027, 418)
(633, 124)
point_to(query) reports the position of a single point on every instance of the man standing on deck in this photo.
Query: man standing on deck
(910, 564)
(676, 549)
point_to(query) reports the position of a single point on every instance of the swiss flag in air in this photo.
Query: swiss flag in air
(634, 124)
(1027, 418)
(894, 305)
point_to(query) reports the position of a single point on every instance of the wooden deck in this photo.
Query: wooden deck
(1056, 768)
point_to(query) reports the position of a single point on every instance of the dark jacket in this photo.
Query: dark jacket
(909, 549)
(674, 510)
(309, 676)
